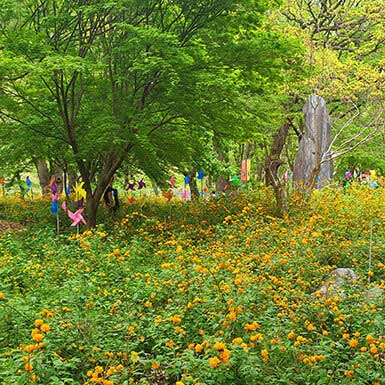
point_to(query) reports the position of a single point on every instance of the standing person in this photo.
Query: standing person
(111, 198)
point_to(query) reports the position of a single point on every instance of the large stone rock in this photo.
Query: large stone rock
(336, 280)
(314, 146)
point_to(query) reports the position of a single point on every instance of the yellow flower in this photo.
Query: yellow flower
(170, 344)
(264, 353)
(219, 346)
(214, 362)
(370, 338)
(2, 295)
(291, 335)
(253, 326)
(28, 367)
(310, 327)
(38, 337)
(38, 322)
(225, 355)
(175, 319)
(237, 340)
(349, 373)
(45, 328)
(155, 365)
(353, 343)
(179, 383)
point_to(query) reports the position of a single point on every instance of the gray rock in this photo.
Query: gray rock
(335, 282)
(373, 294)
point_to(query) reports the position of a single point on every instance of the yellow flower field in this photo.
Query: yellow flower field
(211, 293)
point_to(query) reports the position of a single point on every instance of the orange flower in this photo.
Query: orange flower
(38, 322)
(45, 328)
(225, 355)
(219, 346)
(38, 337)
(291, 335)
(214, 362)
(175, 319)
(253, 326)
(353, 343)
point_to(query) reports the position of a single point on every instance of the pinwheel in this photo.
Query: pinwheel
(141, 184)
(80, 195)
(76, 217)
(55, 197)
(185, 194)
(168, 194)
(172, 181)
(200, 177)
(235, 181)
(348, 175)
(131, 186)
(29, 185)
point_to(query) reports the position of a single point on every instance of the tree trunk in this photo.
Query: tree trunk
(43, 174)
(272, 164)
(92, 206)
(221, 182)
(273, 161)
(111, 163)
(193, 186)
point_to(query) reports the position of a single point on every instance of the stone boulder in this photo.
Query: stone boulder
(335, 281)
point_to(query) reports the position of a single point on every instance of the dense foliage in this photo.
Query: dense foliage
(216, 292)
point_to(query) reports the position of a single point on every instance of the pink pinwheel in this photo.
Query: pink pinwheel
(77, 216)
(172, 181)
(185, 194)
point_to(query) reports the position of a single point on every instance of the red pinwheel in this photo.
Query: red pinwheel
(168, 195)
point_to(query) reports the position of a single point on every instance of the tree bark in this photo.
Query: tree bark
(272, 164)
(273, 159)
(221, 182)
(43, 175)
(193, 186)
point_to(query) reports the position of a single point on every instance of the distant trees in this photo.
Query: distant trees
(99, 82)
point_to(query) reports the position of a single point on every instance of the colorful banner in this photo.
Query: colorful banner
(245, 170)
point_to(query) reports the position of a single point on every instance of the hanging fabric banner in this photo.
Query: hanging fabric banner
(245, 170)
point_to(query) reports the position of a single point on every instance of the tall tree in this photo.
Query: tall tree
(107, 78)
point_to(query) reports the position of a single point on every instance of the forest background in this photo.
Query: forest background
(101, 88)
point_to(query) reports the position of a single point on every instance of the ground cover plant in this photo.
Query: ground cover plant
(218, 292)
